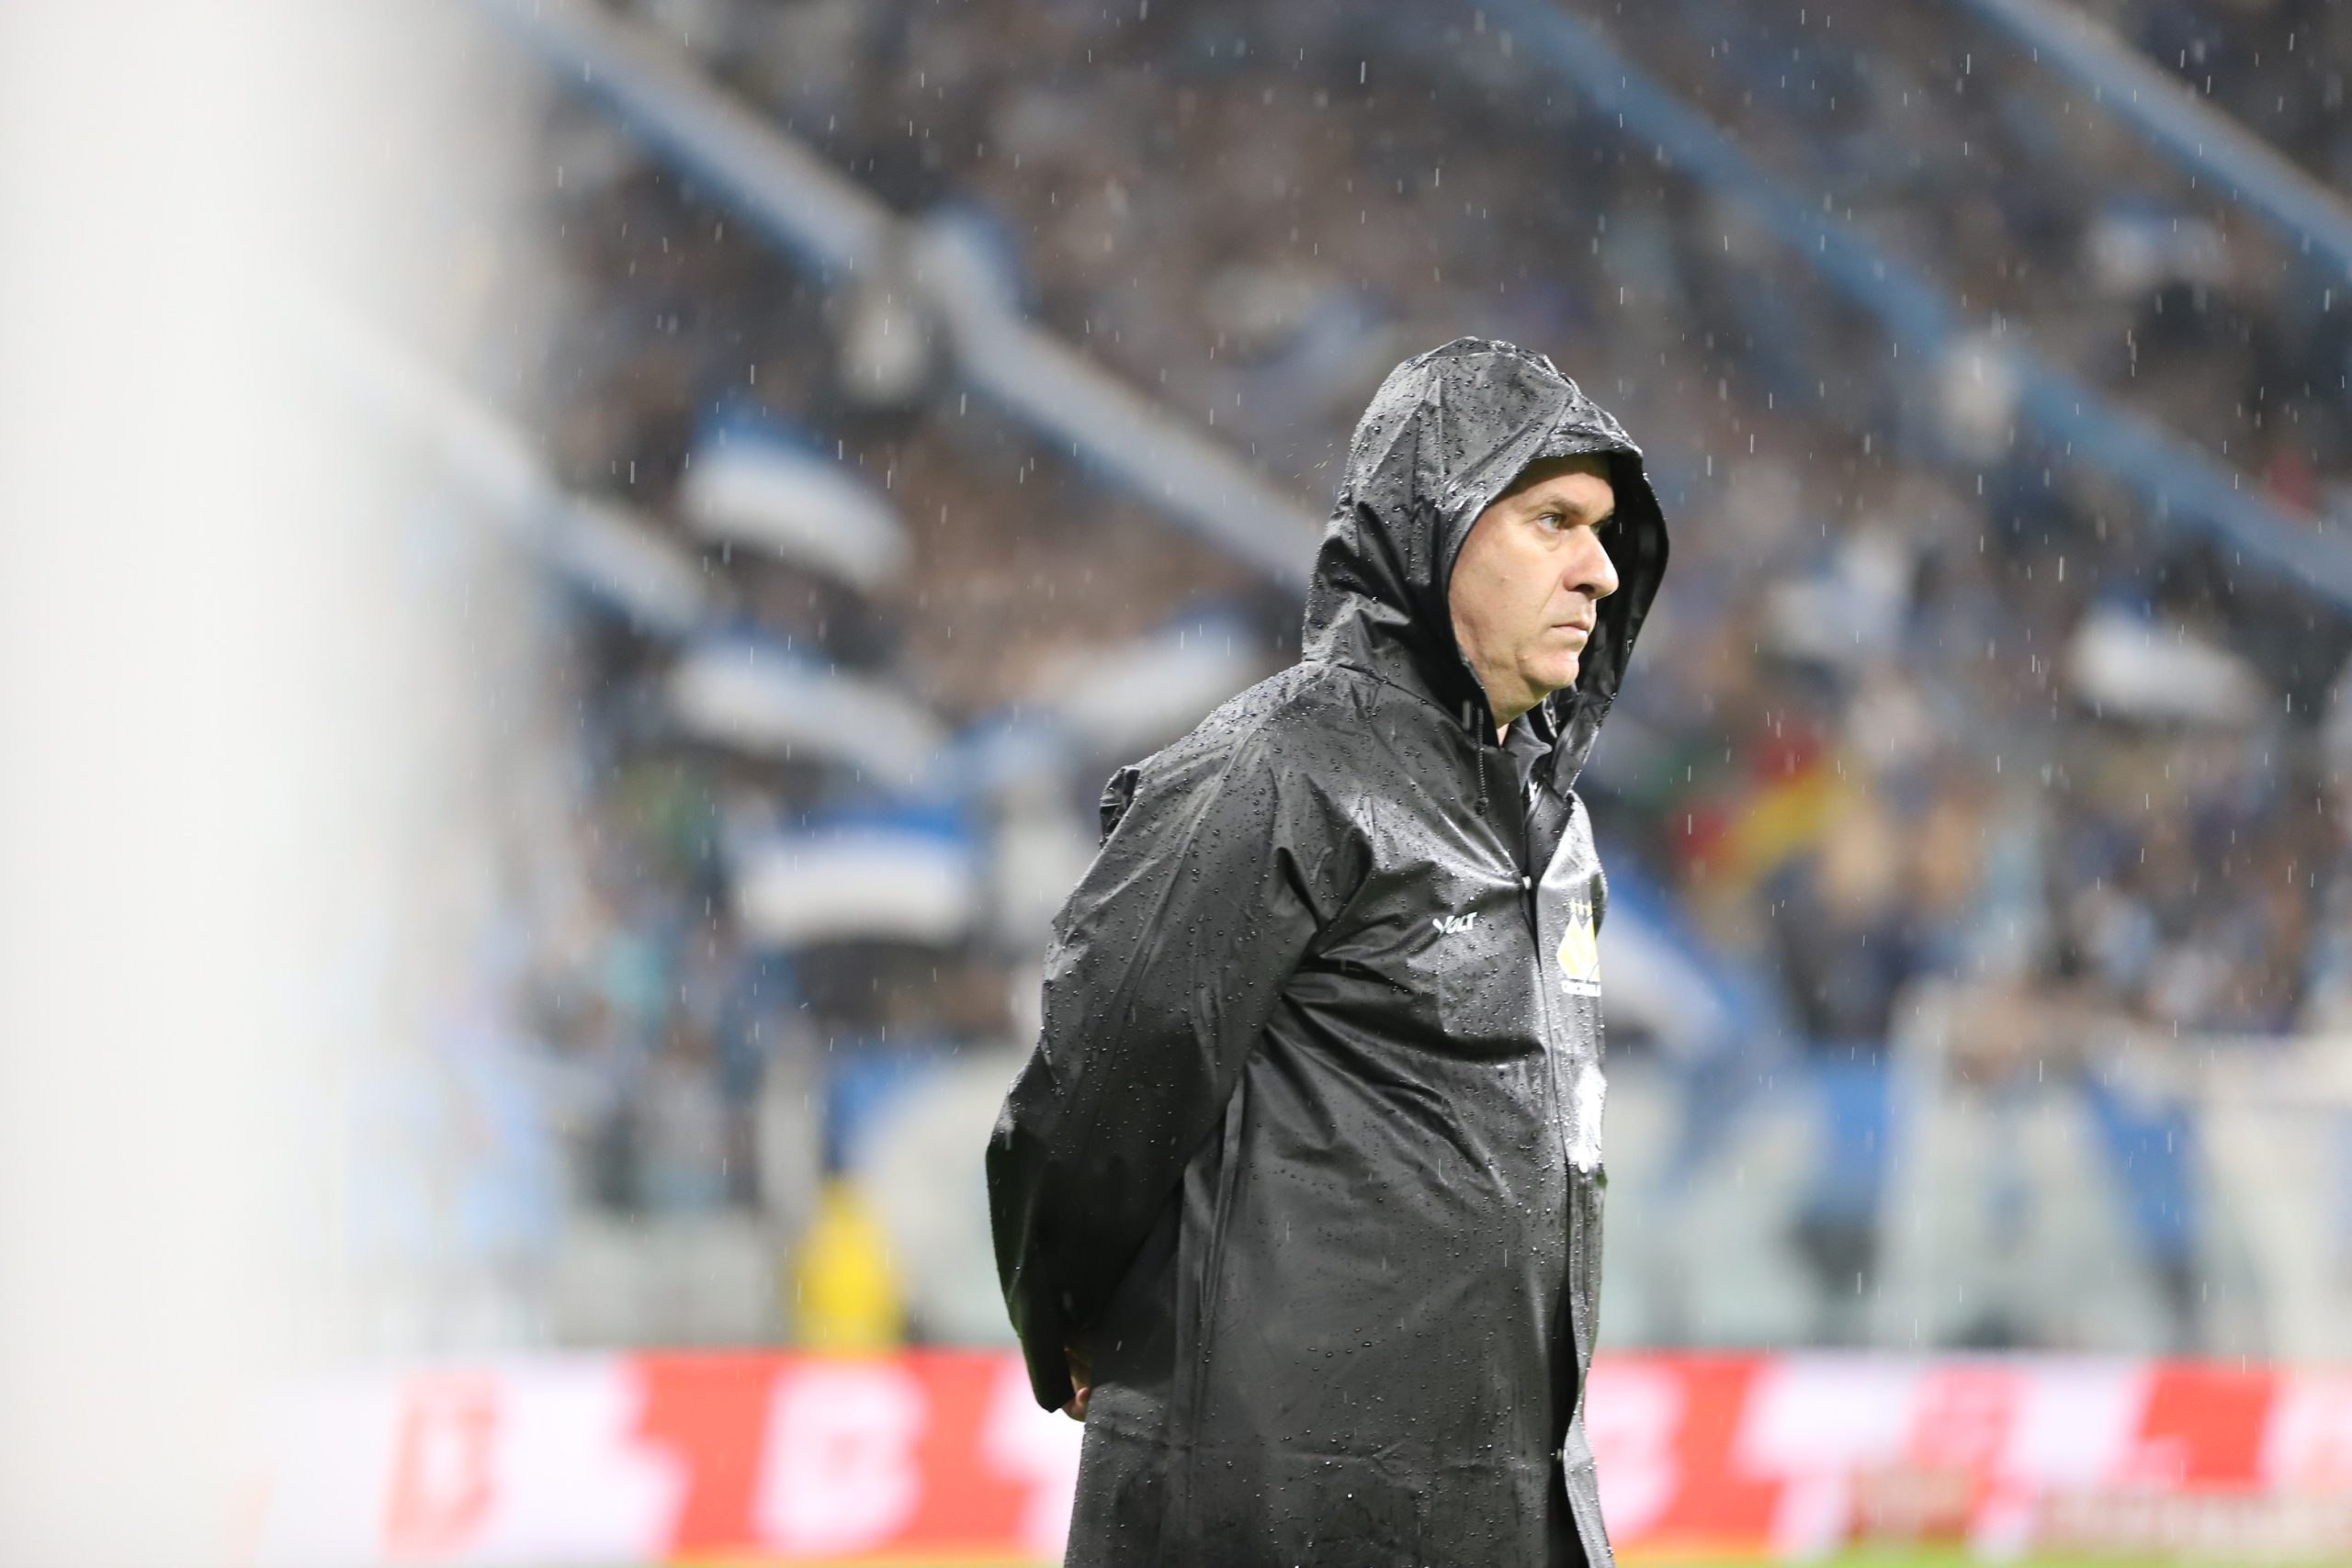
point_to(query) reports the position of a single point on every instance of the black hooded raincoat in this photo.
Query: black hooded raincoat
(1307, 1160)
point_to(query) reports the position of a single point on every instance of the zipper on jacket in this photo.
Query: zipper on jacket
(1471, 713)
(1528, 870)
(1521, 842)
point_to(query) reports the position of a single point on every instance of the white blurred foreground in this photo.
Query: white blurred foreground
(230, 703)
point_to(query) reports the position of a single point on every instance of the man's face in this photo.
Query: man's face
(1529, 579)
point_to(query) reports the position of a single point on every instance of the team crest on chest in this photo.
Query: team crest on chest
(1579, 950)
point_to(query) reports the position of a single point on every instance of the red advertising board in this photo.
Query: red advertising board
(935, 1457)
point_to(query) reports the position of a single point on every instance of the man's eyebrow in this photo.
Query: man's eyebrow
(1552, 503)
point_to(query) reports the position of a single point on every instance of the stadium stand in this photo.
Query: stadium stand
(952, 417)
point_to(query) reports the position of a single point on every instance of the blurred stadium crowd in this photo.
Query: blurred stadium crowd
(1931, 706)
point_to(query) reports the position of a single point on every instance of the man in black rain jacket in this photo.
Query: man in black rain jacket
(1304, 1180)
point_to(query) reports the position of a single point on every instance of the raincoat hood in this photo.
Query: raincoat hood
(1448, 431)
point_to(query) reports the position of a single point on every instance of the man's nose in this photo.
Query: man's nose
(1592, 571)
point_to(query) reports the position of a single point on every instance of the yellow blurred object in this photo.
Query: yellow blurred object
(847, 1292)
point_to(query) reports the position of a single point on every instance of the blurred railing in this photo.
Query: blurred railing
(2178, 484)
(2176, 120)
(834, 227)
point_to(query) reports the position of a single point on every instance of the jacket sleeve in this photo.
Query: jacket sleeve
(1216, 873)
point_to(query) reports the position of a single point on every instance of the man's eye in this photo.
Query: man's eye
(1553, 518)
